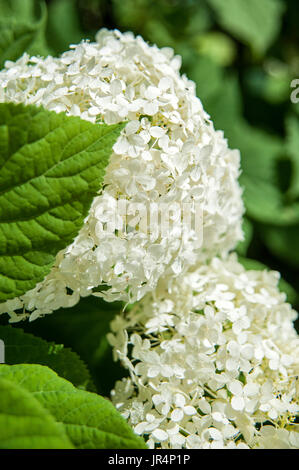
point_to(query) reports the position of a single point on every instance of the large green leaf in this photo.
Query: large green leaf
(25, 423)
(60, 38)
(21, 29)
(89, 420)
(52, 165)
(256, 22)
(25, 348)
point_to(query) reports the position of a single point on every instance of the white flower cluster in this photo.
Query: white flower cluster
(213, 361)
(168, 152)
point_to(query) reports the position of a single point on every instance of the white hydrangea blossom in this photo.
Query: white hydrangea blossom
(169, 151)
(213, 361)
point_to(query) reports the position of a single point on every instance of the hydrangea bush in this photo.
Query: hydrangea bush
(168, 152)
(209, 347)
(213, 361)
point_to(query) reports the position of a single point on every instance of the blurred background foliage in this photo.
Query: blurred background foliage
(243, 56)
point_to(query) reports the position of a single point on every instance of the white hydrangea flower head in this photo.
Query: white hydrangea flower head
(213, 361)
(168, 152)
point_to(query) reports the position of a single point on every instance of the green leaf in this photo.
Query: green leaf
(260, 152)
(83, 328)
(282, 242)
(277, 86)
(89, 420)
(254, 22)
(264, 199)
(259, 149)
(284, 286)
(21, 9)
(218, 46)
(159, 33)
(208, 77)
(199, 19)
(292, 149)
(63, 12)
(224, 104)
(247, 228)
(264, 202)
(131, 14)
(25, 348)
(25, 423)
(52, 166)
(21, 30)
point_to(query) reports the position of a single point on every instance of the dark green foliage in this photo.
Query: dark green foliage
(83, 328)
(243, 56)
(46, 405)
(25, 348)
